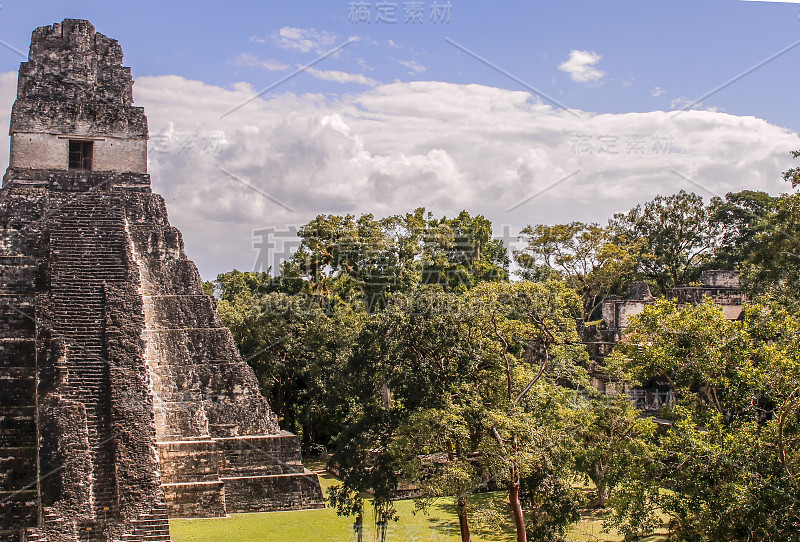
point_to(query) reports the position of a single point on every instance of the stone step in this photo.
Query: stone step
(31, 536)
(11, 536)
(18, 352)
(17, 509)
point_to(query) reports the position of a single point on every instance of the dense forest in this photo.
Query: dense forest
(412, 353)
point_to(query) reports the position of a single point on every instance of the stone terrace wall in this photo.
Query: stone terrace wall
(21, 254)
(216, 432)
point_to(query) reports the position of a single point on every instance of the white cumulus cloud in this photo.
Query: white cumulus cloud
(252, 61)
(305, 39)
(684, 103)
(415, 67)
(447, 147)
(342, 77)
(581, 66)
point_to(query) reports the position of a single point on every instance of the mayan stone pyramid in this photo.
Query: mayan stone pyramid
(123, 400)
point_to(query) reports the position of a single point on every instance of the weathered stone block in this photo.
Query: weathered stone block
(18, 468)
(17, 507)
(272, 493)
(260, 455)
(195, 499)
(189, 461)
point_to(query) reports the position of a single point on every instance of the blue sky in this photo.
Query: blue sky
(686, 48)
(402, 118)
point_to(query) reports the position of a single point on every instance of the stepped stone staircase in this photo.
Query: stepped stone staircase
(65, 305)
(85, 253)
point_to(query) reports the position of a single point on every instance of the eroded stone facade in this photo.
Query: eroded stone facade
(124, 400)
(723, 287)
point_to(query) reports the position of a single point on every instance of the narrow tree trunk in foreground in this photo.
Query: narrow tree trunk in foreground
(463, 522)
(602, 495)
(516, 506)
(359, 527)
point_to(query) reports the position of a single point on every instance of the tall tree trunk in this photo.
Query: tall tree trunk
(386, 395)
(602, 495)
(306, 438)
(516, 505)
(599, 479)
(463, 522)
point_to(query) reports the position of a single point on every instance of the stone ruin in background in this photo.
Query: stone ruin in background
(723, 287)
(124, 401)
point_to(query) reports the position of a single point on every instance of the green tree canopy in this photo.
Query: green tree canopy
(487, 363)
(741, 217)
(589, 258)
(365, 259)
(297, 350)
(676, 235)
(727, 466)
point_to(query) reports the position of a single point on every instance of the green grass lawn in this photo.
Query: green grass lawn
(315, 525)
(439, 525)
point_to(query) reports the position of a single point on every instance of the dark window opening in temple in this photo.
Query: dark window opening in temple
(80, 154)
